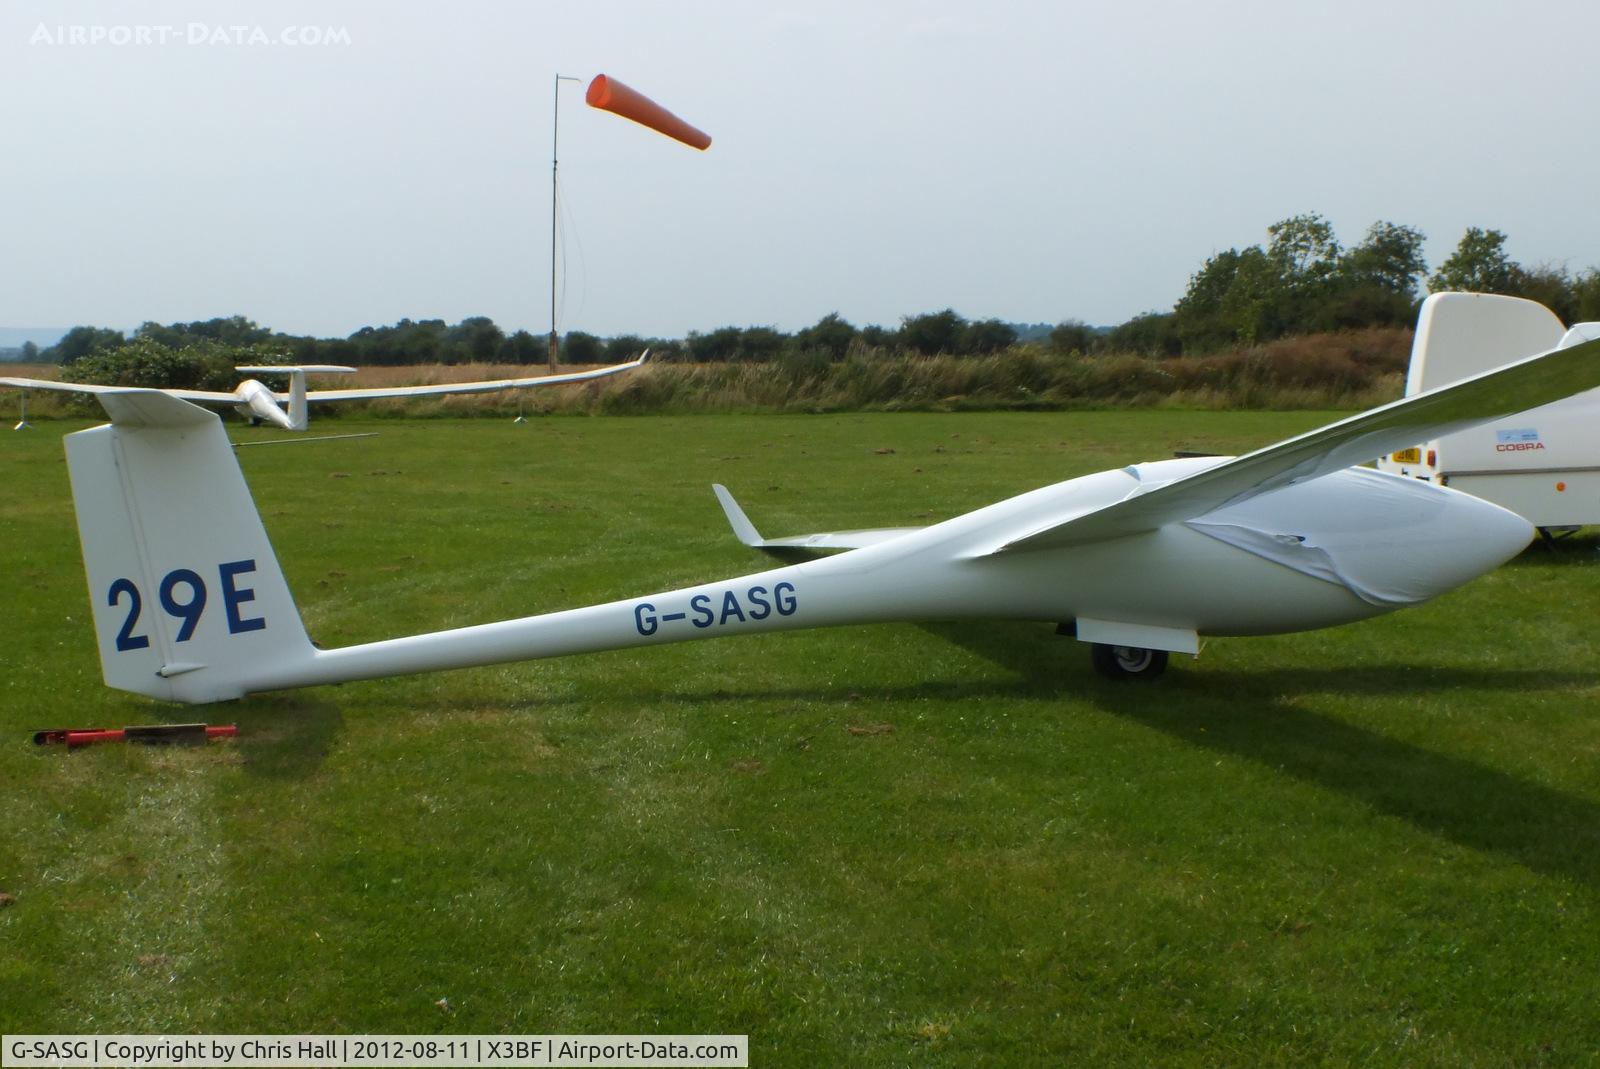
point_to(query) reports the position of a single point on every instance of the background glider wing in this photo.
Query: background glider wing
(232, 398)
(202, 396)
(486, 386)
(1515, 387)
(131, 406)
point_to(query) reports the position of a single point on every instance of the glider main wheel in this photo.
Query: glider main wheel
(1127, 662)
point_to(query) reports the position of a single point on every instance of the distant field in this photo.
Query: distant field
(31, 371)
(931, 845)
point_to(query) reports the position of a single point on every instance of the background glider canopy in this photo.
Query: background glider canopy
(608, 94)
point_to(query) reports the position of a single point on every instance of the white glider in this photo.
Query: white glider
(254, 400)
(190, 604)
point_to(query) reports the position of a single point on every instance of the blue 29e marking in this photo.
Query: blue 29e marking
(189, 609)
(757, 603)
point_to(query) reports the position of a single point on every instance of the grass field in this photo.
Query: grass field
(929, 845)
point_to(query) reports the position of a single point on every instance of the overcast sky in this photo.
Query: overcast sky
(1029, 161)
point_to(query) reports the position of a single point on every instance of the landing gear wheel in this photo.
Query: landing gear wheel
(1127, 662)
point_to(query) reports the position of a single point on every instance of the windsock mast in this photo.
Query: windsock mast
(607, 94)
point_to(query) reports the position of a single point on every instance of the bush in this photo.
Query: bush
(202, 365)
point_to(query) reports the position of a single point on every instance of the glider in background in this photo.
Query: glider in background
(190, 604)
(255, 401)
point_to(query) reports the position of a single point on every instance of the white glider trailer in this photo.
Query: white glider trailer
(1543, 464)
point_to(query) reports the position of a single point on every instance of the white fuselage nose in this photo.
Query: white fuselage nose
(1327, 551)
(1392, 540)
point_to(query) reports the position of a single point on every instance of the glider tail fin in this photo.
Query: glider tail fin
(298, 417)
(1464, 334)
(189, 601)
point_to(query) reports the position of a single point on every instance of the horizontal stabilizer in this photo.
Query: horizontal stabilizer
(289, 369)
(153, 408)
(1515, 387)
(205, 396)
(746, 531)
(130, 406)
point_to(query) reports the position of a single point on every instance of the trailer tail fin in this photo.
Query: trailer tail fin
(1464, 334)
(189, 601)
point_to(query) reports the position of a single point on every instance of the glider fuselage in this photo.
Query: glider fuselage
(1405, 544)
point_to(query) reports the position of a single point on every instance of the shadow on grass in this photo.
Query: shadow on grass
(1245, 715)
(281, 737)
(1242, 714)
(1567, 550)
(285, 737)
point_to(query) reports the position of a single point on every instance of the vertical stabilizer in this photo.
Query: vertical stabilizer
(188, 597)
(298, 417)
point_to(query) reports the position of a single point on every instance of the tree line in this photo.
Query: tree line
(479, 340)
(1299, 281)
(1303, 282)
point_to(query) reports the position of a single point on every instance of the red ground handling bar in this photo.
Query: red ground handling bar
(149, 734)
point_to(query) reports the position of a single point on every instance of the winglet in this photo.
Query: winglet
(743, 529)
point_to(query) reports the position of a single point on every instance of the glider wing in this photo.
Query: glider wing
(1515, 387)
(486, 386)
(206, 397)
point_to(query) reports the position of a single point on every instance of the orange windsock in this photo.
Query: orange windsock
(611, 95)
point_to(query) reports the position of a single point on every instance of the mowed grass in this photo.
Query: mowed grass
(933, 845)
